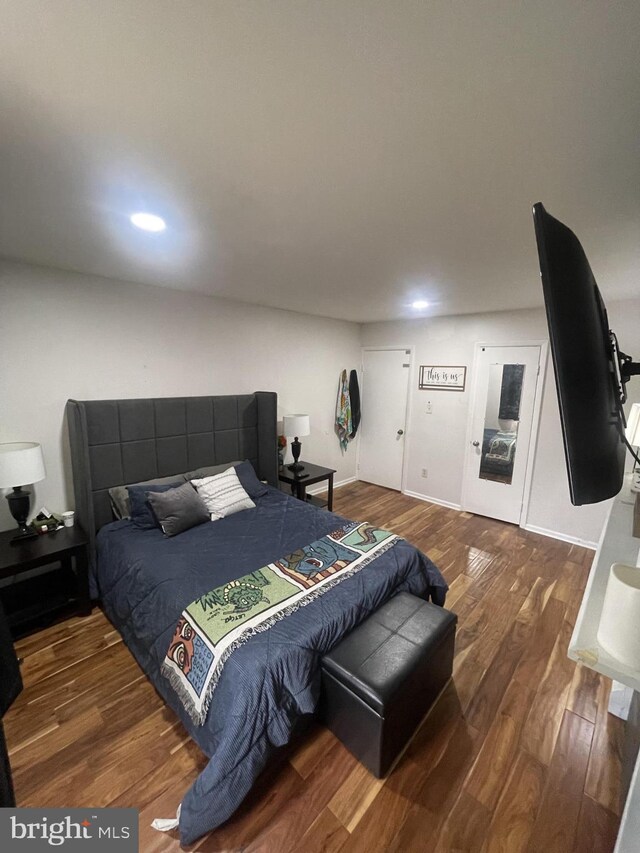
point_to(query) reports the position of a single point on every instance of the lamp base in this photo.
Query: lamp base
(23, 536)
(19, 501)
(296, 447)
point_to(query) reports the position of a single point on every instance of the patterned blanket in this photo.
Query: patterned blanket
(217, 623)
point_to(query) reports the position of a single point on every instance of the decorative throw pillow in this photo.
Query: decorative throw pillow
(249, 480)
(178, 509)
(223, 494)
(141, 513)
(119, 496)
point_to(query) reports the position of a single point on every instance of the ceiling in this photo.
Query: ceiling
(341, 158)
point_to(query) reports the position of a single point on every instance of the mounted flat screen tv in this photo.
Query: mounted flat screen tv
(591, 372)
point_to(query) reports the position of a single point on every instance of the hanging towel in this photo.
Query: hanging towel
(343, 411)
(354, 397)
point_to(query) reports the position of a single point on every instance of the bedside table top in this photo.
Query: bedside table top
(315, 473)
(39, 551)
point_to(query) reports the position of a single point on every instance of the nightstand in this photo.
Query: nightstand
(299, 483)
(40, 596)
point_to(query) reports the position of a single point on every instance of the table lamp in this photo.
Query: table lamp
(296, 425)
(21, 463)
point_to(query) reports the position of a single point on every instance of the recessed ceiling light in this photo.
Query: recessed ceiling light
(420, 305)
(148, 221)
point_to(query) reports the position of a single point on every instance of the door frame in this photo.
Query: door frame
(407, 415)
(535, 419)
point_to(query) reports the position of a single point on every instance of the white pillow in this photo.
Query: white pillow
(223, 494)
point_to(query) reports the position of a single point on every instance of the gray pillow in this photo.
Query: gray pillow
(119, 496)
(249, 480)
(209, 470)
(178, 509)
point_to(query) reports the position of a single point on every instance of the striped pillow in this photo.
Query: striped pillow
(223, 494)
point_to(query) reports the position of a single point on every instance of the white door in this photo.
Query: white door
(385, 382)
(500, 430)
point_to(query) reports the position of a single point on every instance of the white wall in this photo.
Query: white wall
(437, 441)
(66, 335)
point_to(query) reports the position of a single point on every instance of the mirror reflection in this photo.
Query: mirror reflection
(502, 417)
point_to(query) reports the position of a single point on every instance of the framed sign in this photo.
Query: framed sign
(436, 378)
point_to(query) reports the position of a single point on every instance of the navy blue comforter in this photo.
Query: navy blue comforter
(145, 580)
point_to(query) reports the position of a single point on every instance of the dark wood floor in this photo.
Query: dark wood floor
(518, 754)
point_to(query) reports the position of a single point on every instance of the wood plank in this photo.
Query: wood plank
(557, 819)
(604, 774)
(536, 600)
(457, 589)
(354, 796)
(467, 675)
(29, 753)
(597, 828)
(465, 828)
(515, 814)
(489, 643)
(325, 835)
(67, 652)
(499, 749)
(532, 666)
(491, 689)
(546, 713)
(435, 793)
(311, 750)
(583, 692)
(61, 631)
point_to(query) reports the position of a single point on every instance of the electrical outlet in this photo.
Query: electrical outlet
(429, 408)
(424, 472)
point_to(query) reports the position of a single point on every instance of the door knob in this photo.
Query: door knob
(476, 443)
(400, 432)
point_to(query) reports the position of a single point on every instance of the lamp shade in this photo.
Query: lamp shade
(296, 425)
(21, 463)
(632, 431)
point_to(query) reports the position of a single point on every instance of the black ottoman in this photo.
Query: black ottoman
(380, 681)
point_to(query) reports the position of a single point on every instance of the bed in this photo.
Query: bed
(145, 580)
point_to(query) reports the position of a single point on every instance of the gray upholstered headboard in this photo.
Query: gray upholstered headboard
(114, 442)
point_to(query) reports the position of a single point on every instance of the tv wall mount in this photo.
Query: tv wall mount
(625, 367)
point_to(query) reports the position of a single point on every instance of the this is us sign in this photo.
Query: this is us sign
(433, 377)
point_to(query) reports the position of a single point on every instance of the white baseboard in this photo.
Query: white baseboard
(553, 534)
(431, 500)
(322, 487)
